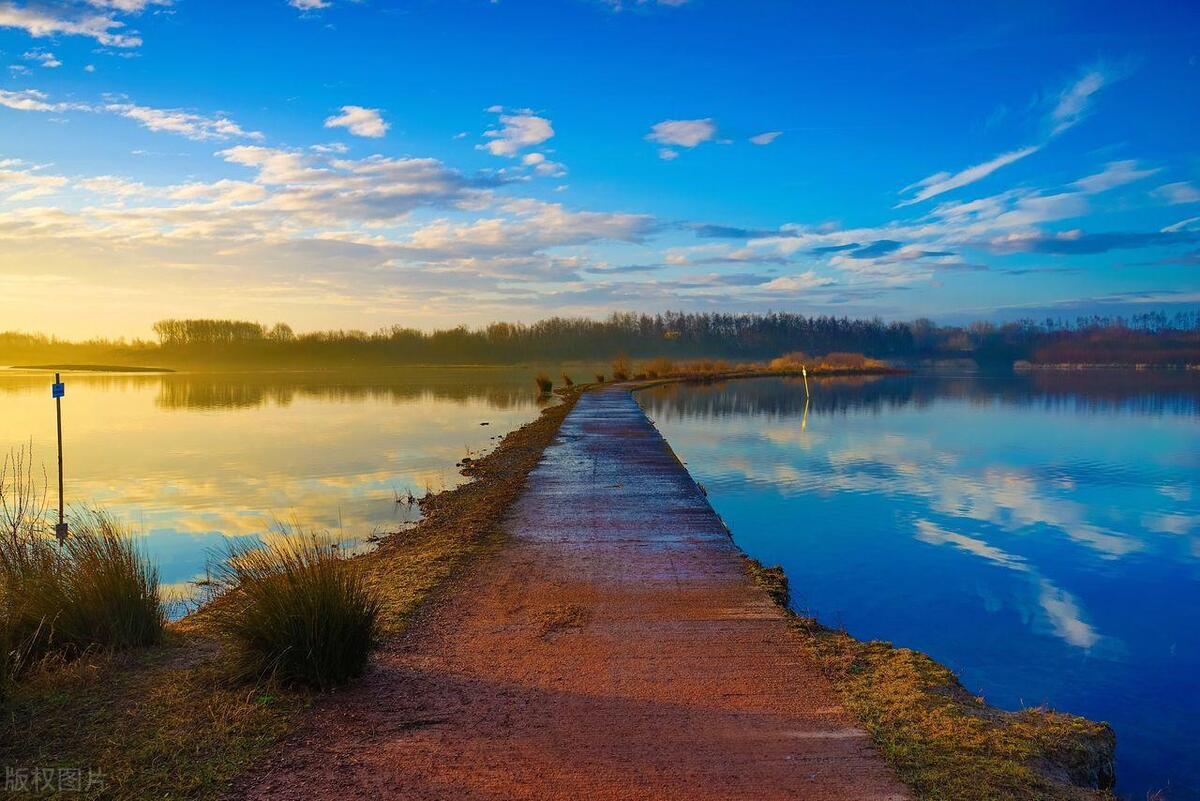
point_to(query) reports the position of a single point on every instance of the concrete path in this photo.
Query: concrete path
(614, 649)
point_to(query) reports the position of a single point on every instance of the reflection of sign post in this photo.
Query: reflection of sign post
(57, 391)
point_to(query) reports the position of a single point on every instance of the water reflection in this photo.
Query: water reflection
(1039, 533)
(190, 460)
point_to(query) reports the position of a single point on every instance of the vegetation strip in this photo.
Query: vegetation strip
(946, 744)
(176, 721)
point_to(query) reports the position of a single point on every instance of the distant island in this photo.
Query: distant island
(1145, 340)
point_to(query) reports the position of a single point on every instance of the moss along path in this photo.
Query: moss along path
(613, 648)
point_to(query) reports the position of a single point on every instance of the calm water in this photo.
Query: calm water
(1039, 534)
(189, 460)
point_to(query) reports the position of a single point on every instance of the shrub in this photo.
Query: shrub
(296, 611)
(844, 360)
(544, 384)
(791, 361)
(621, 368)
(567, 382)
(599, 378)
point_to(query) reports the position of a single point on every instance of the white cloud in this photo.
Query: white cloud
(27, 100)
(20, 183)
(543, 166)
(519, 131)
(184, 123)
(309, 5)
(45, 20)
(1178, 192)
(682, 133)
(1114, 174)
(667, 154)
(43, 57)
(1074, 102)
(795, 283)
(941, 182)
(177, 121)
(766, 138)
(360, 121)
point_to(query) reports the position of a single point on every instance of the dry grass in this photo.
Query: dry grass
(96, 590)
(544, 384)
(174, 721)
(297, 612)
(943, 742)
(621, 368)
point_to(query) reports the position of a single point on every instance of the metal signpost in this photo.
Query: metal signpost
(57, 391)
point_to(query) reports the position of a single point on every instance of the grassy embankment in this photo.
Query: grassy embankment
(945, 743)
(179, 719)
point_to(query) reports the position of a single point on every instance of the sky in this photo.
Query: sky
(359, 164)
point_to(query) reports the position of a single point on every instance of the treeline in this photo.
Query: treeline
(1152, 338)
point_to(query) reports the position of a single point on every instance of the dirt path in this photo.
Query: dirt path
(613, 649)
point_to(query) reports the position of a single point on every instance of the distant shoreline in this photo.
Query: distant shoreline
(91, 368)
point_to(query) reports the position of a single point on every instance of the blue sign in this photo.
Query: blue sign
(58, 389)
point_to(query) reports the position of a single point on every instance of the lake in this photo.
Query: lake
(1038, 533)
(191, 460)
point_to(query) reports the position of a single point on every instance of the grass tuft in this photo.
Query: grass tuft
(568, 382)
(297, 612)
(544, 384)
(95, 590)
(599, 378)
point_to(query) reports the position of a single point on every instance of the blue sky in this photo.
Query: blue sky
(429, 162)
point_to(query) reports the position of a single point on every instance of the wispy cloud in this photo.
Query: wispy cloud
(189, 124)
(1178, 192)
(1075, 101)
(1114, 174)
(43, 57)
(942, 182)
(184, 123)
(766, 138)
(360, 121)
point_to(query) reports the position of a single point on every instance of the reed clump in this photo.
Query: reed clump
(295, 610)
(599, 378)
(544, 384)
(95, 590)
(567, 381)
(621, 368)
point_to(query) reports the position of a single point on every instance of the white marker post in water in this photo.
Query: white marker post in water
(804, 372)
(57, 391)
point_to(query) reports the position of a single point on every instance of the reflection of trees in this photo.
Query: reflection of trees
(214, 391)
(1138, 392)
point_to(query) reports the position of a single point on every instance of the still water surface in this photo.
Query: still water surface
(190, 460)
(1039, 534)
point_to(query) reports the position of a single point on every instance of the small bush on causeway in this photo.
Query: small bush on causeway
(544, 384)
(297, 611)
